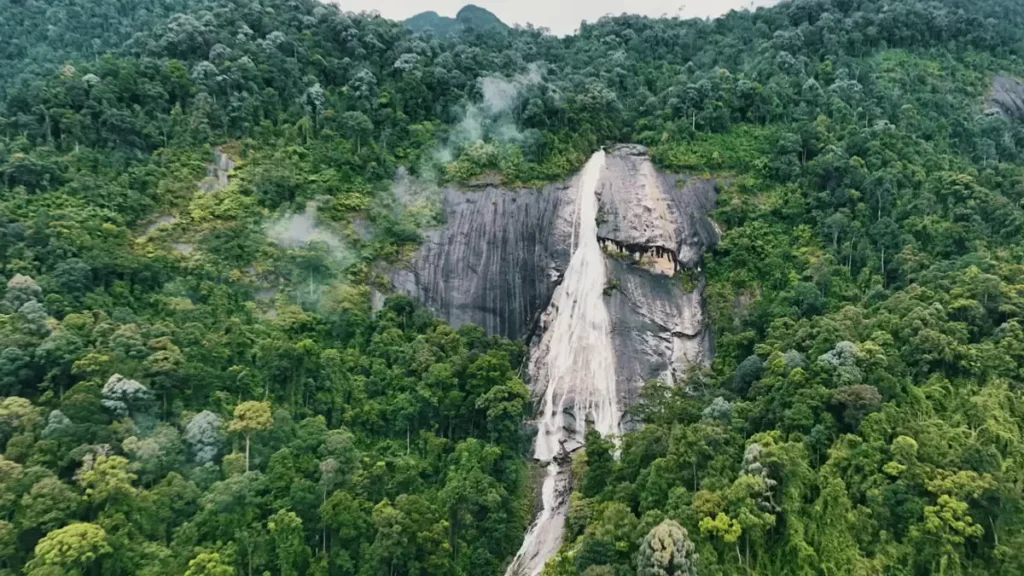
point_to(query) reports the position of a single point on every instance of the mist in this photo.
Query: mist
(417, 197)
(303, 230)
(492, 117)
(320, 253)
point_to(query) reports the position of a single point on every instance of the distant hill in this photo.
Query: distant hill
(470, 17)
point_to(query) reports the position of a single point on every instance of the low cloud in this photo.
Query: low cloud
(492, 117)
(301, 229)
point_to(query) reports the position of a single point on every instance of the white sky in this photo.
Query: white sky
(561, 16)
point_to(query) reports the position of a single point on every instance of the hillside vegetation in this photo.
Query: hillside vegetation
(193, 379)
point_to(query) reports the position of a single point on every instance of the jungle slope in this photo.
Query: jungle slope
(863, 413)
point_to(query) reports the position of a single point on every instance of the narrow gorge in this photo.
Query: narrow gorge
(601, 275)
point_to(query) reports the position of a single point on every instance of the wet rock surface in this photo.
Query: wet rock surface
(497, 260)
(545, 536)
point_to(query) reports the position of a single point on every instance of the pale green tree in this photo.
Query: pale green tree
(292, 553)
(666, 551)
(209, 564)
(72, 549)
(251, 417)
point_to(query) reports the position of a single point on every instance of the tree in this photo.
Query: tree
(747, 373)
(209, 564)
(348, 519)
(204, 434)
(286, 530)
(719, 410)
(8, 540)
(48, 505)
(250, 418)
(831, 530)
(57, 424)
(314, 101)
(600, 463)
(610, 539)
(72, 549)
(666, 551)
(108, 482)
(411, 536)
(21, 290)
(505, 406)
(16, 370)
(356, 126)
(122, 395)
(18, 415)
(856, 403)
(155, 455)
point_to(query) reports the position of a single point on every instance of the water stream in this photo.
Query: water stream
(574, 365)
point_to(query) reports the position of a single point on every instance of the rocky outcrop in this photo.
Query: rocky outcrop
(218, 173)
(1007, 97)
(497, 260)
(655, 230)
(659, 329)
(645, 211)
(501, 254)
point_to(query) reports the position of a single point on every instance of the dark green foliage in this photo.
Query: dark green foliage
(600, 463)
(863, 412)
(748, 372)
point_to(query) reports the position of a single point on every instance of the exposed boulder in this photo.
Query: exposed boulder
(1007, 97)
(218, 173)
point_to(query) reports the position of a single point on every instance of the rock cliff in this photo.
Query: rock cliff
(655, 230)
(645, 210)
(501, 254)
(497, 260)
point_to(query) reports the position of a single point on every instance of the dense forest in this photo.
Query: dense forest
(197, 376)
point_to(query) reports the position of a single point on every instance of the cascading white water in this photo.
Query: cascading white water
(576, 362)
(575, 367)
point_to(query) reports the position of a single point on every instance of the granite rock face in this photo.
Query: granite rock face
(655, 230)
(501, 254)
(1007, 97)
(497, 260)
(659, 329)
(645, 210)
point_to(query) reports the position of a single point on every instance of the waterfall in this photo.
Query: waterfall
(574, 365)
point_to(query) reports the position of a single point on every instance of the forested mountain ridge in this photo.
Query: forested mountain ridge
(193, 381)
(469, 17)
